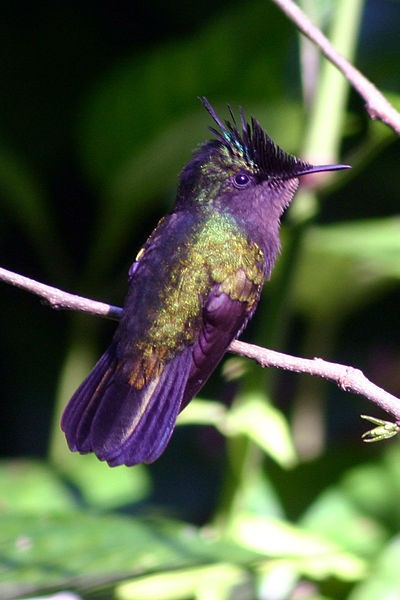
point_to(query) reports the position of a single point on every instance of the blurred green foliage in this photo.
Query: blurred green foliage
(265, 490)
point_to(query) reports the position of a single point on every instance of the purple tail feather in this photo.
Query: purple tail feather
(120, 423)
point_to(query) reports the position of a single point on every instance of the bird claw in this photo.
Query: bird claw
(384, 431)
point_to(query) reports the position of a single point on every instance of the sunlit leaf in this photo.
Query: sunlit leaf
(253, 417)
(33, 487)
(106, 488)
(308, 553)
(201, 583)
(265, 425)
(204, 412)
(343, 265)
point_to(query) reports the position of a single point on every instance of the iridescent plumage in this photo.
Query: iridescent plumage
(192, 289)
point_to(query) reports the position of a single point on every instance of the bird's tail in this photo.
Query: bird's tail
(117, 421)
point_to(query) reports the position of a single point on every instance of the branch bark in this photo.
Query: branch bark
(347, 378)
(377, 106)
(58, 299)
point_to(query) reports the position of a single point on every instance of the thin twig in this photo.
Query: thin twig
(60, 300)
(377, 106)
(347, 378)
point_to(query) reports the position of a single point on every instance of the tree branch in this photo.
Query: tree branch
(347, 378)
(377, 106)
(60, 300)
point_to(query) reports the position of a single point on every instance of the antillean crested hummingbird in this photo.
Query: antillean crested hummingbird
(192, 289)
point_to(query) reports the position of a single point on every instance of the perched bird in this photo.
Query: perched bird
(192, 289)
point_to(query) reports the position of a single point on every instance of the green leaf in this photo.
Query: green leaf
(339, 520)
(343, 265)
(31, 487)
(204, 412)
(106, 488)
(383, 580)
(253, 416)
(308, 553)
(76, 550)
(201, 583)
(257, 495)
(375, 488)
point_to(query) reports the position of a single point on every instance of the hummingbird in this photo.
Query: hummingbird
(193, 287)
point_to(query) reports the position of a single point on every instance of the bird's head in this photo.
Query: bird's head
(240, 164)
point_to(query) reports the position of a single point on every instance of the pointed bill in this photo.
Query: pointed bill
(306, 169)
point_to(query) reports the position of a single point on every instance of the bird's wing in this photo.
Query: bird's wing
(229, 306)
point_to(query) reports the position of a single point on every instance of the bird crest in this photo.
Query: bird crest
(249, 142)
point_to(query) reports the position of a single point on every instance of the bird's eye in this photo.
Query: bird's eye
(241, 180)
